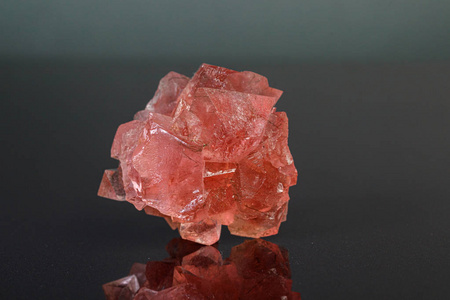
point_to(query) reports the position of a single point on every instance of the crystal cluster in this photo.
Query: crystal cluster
(206, 152)
(256, 269)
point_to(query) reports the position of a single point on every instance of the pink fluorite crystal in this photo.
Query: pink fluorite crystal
(206, 152)
(256, 269)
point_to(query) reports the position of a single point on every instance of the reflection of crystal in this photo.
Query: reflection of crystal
(256, 269)
(124, 288)
(206, 152)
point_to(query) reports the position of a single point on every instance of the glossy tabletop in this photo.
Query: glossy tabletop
(369, 218)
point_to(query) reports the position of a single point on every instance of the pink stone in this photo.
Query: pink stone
(228, 124)
(169, 173)
(170, 87)
(111, 186)
(219, 179)
(206, 152)
(205, 232)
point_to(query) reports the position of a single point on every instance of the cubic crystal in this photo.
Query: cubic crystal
(206, 152)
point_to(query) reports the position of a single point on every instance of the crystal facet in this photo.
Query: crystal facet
(206, 152)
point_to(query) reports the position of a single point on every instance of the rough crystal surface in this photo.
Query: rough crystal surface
(256, 269)
(206, 152)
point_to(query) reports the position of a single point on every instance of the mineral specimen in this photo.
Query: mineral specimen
(256, 269)
(206, 152)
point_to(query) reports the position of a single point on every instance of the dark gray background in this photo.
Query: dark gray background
(275, 31)
(367, 91)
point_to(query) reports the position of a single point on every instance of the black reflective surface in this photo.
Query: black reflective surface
(369, 218)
